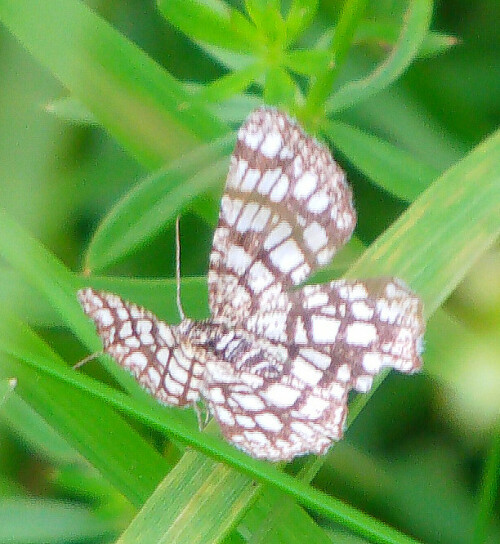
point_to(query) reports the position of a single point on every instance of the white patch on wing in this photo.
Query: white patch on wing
(238, 259)
(315, 236)
(269, 422)
(361, 310)
(246, 217)
(281, 396)
(287, 256)
(324, 329)
(250, 180)
(268, 180)
(360, 334)
(318, 202)
(281, 232)
(280, 189)
(319, 359)
(305, 185)
(259, 277)
(271, 145)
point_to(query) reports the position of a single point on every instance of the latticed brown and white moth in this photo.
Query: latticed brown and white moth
(273, 364)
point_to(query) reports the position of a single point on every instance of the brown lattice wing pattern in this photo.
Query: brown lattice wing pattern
(147, 347)
(339, 336)
(286, 210)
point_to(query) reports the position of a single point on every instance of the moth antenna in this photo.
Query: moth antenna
(178, 266)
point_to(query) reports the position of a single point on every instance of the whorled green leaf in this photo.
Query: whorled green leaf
(231, 84)
(136, 100)
(349, 18)
(299, 16)
(215, 23)
(413, 32)
(307, 62)
(390, 168)
(156, 201)
(267, 18)
(279, 89)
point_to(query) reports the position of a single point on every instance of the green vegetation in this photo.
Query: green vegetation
(115, 118)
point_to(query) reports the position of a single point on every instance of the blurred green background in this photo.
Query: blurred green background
(417, 455)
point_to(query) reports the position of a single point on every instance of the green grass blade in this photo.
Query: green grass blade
(214, 23)
(88, 424)
(50, 277)
(136, 100)
(415, 27)
(432, 250)
(49, 521)
(391, 168)
(157, 200)
(186, 516)
(171, 421)
(35, 431)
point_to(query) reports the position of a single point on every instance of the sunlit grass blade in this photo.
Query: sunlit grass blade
(187, 516)
(138, 102)
(154, 202)
(415, 27)
(7, 386)
(393, 169)
(215, 23)
(274, 518)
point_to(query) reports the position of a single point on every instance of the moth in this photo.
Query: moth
(275, 362)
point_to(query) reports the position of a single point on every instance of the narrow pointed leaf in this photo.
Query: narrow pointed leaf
(156, 201)
(415, 27)
(390, 168)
